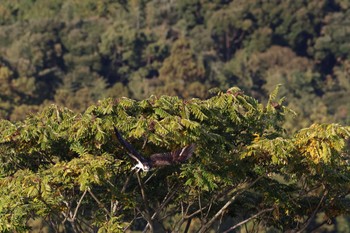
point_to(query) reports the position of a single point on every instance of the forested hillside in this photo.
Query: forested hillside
(73, 53)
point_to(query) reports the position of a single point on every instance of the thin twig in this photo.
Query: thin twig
(200, 206)
(130, 223)
(195, 212)
(145, 200)
(183, 215)
(205, 227)
(99, 203)
(149, 178)
(248, 219)
(78, 205)
(127, 182)
(314, 213)
(165, 201)
(220, 222)
(209, 207)
(315, 228)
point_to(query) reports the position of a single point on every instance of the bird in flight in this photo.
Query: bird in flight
(156, 160)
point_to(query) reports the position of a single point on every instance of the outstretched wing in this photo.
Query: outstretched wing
(174, 157)
(131, 151)
(185, 153)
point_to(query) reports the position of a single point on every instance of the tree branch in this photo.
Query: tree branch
(165, 201)
(99, 203)
(78, 205)
(248, 219)
(314, 213)
(196, 212)
(206, 226)
(188, 225)
(127, 182)
(147, 214)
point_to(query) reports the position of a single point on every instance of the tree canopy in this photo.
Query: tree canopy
(68, 169)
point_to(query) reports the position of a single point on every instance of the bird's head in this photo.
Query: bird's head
(146, 167)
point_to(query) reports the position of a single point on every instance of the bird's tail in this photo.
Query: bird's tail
(185, 153)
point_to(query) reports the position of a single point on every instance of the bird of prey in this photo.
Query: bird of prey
(156, 160)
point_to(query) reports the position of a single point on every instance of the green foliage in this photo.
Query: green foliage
(69, 169)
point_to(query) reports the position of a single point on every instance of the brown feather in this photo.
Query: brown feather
(174, 157)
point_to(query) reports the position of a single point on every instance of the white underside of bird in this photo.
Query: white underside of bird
(139, 167)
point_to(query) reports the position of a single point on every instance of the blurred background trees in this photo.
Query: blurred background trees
(74, 53)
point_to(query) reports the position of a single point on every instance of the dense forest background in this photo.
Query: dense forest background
(73, 53)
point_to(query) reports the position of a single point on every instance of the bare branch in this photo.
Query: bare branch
(195, 212)
(146, 215)
(165, 201)
(314, 213)
(130, 223)
(78, 205)
(127, 182)
(205, 227)
(149, 178)
(316, 228)
(209, 205)
(248, 219)
(200, 206)
(99, 203)
(188, 225)
(184, 212)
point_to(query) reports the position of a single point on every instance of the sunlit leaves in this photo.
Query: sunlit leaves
(54, 159)
(189, 124)
(322, 143)
(276, 151)
(112, 225)
(196, 111)
(203, 180)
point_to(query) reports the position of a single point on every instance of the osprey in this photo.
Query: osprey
(156, 160)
